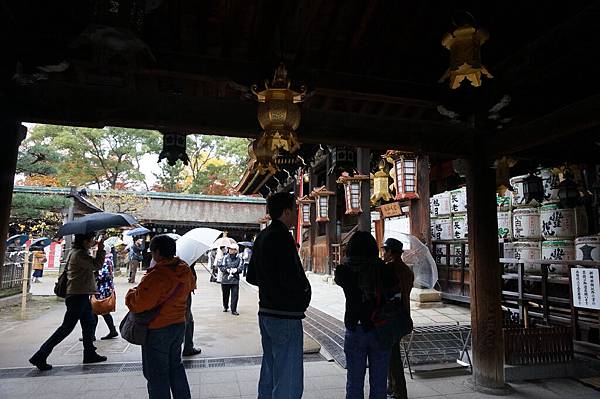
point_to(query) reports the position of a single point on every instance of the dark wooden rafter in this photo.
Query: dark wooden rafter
(576, 117)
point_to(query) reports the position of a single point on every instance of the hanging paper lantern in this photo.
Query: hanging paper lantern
(405, 171)
(353, 192)
(321, 196)
(305, 204)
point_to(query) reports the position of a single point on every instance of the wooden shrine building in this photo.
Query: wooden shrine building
(377, 75)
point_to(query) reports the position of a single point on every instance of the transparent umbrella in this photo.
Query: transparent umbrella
(417, 256)
(196, 242)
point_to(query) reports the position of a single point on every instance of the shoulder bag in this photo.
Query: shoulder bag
(134, 326)
(60, 287)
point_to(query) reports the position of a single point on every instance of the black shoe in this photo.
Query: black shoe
(81, 339)
(41, 364)
(235, 313)
(111, 335)
(94, 358)
(193, 352)
(225, 310)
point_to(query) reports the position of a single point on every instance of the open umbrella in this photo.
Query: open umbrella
(97, 221)
(19, 240)
(193, 244)
(113, 241)
(223, 242)
(40, 243)
(417, 256)
(174, 236)
(137, 231)
(246, 243)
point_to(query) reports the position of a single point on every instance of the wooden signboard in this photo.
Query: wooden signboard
(391, 210)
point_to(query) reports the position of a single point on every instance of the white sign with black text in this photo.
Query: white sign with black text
(586, 288)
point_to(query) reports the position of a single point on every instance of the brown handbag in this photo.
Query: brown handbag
(104, 306)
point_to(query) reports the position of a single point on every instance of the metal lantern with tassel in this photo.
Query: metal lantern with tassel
(352, 191)
(533, 189)
(174, 148)
(381, 187)
(305, 204)
(321, 196)
(568, 192)
(464, 44)
(279, 116)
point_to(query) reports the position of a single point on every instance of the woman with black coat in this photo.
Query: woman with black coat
(364, 278)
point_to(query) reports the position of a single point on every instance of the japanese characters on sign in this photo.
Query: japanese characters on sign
(586, 288)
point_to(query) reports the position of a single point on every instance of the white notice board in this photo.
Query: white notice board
(586, 288)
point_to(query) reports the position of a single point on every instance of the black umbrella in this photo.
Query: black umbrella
(40, 243)
(97, 221)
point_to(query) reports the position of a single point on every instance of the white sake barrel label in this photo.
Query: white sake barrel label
(458, 200)
(588, 248)
(526, 224)
(460, 227)
(557, 223)
(504, 225)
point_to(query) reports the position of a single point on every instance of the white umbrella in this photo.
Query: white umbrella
(223, 242)
(196, 242)
(417, 256)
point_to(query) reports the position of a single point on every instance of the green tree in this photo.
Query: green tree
(215, 160)
(108, 157)
(171, 178)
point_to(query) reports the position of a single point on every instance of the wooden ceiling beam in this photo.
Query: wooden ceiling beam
(56, 103)
(573, 118)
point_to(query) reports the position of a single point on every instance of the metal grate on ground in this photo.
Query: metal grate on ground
(136, 367)
(328, 332)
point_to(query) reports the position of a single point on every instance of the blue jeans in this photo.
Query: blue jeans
(161, 362)
(358, 346)
(282, 369)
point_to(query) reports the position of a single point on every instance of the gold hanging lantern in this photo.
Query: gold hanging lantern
(353, 192)
(278, 114)
(381, 188)
(305, 204)
(321, 196)
(464, 45)
(405, 171)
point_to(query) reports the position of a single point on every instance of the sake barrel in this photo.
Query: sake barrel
(526, 224)
(439, 253)
(550, 181)
(443, 228)
(557, 222)
(460, 227)
(525, 251)
(587, 248)
(504, 202)
(456, 253)
(558, 250)
(517, 192)
(458, 200)
(504, 225)
(440, 206)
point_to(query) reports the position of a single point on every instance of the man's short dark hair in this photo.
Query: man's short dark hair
(164, 244)
(395, 246)
(278, 202)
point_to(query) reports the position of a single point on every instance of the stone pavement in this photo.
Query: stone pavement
(329, 298)
(323, 380)
(221, 336)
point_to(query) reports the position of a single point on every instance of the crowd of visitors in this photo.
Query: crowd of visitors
(163, 298)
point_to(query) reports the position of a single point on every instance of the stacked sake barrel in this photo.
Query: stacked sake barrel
(448, 212)
(540, 231)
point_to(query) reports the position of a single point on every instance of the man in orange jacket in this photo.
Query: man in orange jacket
(165, 286)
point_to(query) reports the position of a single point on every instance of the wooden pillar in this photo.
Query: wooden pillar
(313, 229)
(485, 276)
(363, 165)
(13, 133)
(330, 233)
(419, 209)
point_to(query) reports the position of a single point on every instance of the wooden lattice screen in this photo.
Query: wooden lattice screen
(528, 346)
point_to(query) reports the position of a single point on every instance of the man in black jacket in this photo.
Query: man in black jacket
(284, 295)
